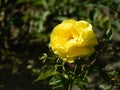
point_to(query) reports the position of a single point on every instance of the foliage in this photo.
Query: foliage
(25, 26)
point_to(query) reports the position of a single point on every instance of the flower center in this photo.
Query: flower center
(70, 37)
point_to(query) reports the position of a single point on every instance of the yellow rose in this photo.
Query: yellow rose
(71, 39)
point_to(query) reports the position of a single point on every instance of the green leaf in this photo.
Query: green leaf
(50, 71)
(43, 58)
(39, 37)
(80, 84)
(22, 1)
(56, 82)
(109, 33)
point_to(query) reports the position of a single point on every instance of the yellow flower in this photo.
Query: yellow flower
(72, 39)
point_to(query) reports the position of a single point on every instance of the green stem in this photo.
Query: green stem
(70, 86)
(71, 82)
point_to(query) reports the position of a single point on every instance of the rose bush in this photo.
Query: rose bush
(71, 39)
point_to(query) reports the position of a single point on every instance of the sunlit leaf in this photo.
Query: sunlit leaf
(47, 73)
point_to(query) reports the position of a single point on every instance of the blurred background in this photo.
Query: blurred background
(25, 26)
